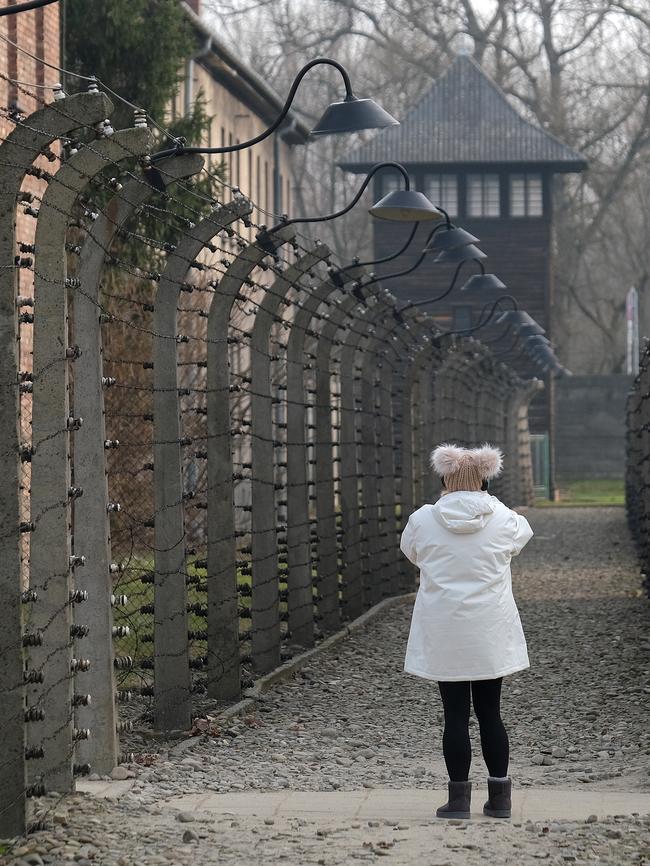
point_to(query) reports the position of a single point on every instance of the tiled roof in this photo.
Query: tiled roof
(464, 118)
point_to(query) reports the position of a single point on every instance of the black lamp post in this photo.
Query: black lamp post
(350, 115)
(25, 7)
(486, 319)
(445, 227)
(443, 237)
(535, 344)
(336, 274)
(405, 205)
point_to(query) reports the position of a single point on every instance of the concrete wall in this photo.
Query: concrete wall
(590, 439)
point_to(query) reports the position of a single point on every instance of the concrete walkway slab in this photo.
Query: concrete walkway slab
(412, 804)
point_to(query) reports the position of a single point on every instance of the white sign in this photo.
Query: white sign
(632, 319)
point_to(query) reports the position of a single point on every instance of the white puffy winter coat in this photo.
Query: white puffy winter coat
(465, 623)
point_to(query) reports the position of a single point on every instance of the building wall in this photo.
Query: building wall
(36, 31)
(590, 438)
(252, 169)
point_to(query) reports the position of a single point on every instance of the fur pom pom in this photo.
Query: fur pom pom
(447, 459)
(488, 460)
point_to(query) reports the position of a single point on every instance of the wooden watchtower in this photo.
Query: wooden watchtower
(471, 152)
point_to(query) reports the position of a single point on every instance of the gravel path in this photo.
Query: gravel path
(354, 719)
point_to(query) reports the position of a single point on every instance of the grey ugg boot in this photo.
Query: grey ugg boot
(499, 803)
(457, 806)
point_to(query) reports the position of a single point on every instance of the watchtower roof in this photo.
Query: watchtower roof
(464, 118)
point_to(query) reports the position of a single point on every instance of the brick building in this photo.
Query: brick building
(242, 106)
(38, 32)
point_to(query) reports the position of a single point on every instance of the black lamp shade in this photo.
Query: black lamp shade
(536, 340)
(516, 317)
(465, 253)
(449, 239)
(530, 330)
(483, 283)
(405, 205)
(541, 349)
(352, 115)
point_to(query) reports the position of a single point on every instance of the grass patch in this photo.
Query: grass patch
(593, 491)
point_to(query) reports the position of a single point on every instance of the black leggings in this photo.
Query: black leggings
(456, 747)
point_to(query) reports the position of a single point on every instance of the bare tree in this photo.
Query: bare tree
(578, 68)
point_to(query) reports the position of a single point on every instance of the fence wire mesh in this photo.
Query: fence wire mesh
(211, 452)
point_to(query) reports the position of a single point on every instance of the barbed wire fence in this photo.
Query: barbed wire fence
(637, 468)
(210, 462)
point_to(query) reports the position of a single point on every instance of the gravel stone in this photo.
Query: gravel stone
(352, 719)
(185, 817)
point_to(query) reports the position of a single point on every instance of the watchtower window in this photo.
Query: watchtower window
(442, 189)
(526, 197)
(483, 195)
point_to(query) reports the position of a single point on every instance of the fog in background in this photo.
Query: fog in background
(578, 68)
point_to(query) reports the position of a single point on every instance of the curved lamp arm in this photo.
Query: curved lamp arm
(419, 261)
(402, 249)
(180, 148)
(513, 345)
(24, 7)
(263, 235)
(447, 291)
(482, 321)
(498, 339)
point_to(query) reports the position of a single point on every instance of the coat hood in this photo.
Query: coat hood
(464, 511)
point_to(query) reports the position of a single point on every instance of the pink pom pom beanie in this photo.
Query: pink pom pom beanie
(466, 468)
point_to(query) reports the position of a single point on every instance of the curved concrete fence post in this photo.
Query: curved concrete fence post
(523, 491)
(92, 522)
(51, 557)
(472, 387)
(364, 435)
(224, 663)
(377, 480)
(502, 390)
(381, 484)
(407, 403)
(415, 350)
(432, 426)
(300, 599)
(172, 679)
(265, 609)
(326, 500)
(17, 153)
(337, 332)
(416, 423)
(330, 442)
(483, 431)
(404, 341)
